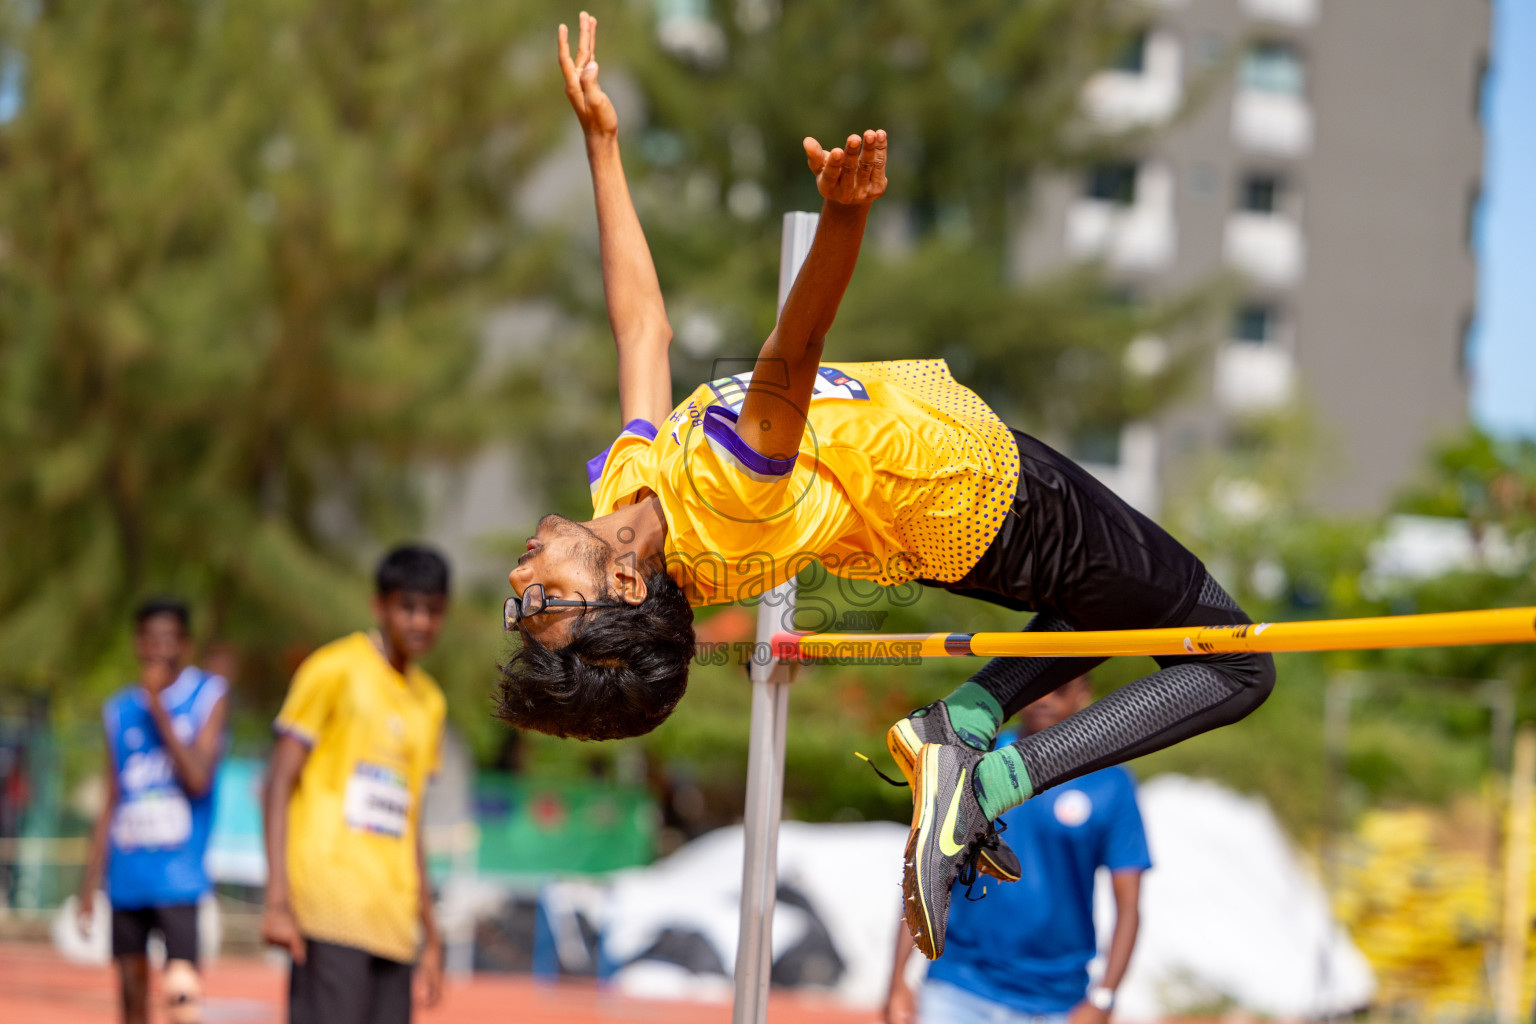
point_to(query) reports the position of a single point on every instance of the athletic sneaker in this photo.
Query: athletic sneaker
(949, 831)
(931, 725)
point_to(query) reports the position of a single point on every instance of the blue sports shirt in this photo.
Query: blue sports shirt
(159, 834)
(1026, 944)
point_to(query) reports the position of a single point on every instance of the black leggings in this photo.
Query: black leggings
(1190, 694)
(1072, 550)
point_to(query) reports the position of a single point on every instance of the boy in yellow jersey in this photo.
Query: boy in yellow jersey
(890, 473)
(357, 737)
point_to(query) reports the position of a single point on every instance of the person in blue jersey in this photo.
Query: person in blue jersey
(164, 737)
(1020, 953)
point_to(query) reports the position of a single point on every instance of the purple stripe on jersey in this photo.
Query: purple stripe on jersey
(595, 466)
(720, 427)
(644, 428)
(635, 428)
(289, 729)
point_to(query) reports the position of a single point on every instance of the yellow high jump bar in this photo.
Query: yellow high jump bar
(1444, 629)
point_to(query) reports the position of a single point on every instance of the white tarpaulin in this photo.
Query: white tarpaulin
(1230, 914)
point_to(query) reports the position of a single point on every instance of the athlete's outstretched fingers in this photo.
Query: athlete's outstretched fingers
(815, 156)
(877, 152)
(831, 174)
(567, 66)
(866, 163)
(586, 48)
(849, 182)
(591, 92)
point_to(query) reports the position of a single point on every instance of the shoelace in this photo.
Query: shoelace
(898, 783)
(969, 874)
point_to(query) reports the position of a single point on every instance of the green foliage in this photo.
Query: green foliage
(244, 255)
(975, 95)
(1492, 485)
(1420, 729)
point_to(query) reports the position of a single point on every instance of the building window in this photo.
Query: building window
(1113, 182)
(1254, 324)
(1132, 56)
(1474, 216)
(1260, 193)
(1480, 89)
(1273, 68)
(1466, 344)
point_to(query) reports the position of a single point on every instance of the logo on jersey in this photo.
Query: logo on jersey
(1073, 807)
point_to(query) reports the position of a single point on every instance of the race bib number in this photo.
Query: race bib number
(152, 818)
(377, 800)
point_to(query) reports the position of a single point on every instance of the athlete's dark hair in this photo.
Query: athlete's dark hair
(621, 674)
(163, 604)
(415, 568)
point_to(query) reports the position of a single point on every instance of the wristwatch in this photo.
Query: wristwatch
(1101, 998)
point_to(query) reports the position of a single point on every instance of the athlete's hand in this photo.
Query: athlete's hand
(429, 973)
(593, 108)
(155, 674)
(85, 911)
(281, 929)
(900, 1006)
(1086, 1013)
(853, 175)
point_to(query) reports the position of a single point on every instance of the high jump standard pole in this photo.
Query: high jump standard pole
(765, 753)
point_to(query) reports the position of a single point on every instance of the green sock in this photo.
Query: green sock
(1002, 782)
(975, 714)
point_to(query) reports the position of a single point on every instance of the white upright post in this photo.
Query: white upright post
(765, 753)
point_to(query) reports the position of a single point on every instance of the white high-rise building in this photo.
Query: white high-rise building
(1330, 165)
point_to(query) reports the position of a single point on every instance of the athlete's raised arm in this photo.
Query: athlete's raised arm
(635, 308)
(849, 179)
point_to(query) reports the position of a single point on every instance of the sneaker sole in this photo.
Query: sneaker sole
(903, 743)
(921, 929)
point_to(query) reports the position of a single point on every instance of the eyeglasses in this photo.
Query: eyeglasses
(533, 602)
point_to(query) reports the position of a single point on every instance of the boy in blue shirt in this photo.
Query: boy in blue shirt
(1021, 953)
(164, 737)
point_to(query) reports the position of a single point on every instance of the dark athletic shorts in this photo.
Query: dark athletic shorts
(176, 924)
(1071, 545)
(342, 985)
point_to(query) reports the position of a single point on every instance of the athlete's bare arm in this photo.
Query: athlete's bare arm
(849, 179)
(96, 861)
(636, 312)
(279, 927)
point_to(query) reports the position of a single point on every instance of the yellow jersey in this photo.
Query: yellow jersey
(902, 474)
(374, 737)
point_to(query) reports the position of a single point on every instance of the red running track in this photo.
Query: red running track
(38, 987)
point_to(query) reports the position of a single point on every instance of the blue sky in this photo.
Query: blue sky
(1504, 353)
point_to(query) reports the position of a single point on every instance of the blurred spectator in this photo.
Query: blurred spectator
(360, 731)
(164, 738)
(1019, 955)
(15, 794)
(684, 807)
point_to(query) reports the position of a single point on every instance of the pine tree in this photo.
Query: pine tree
(245, 252)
